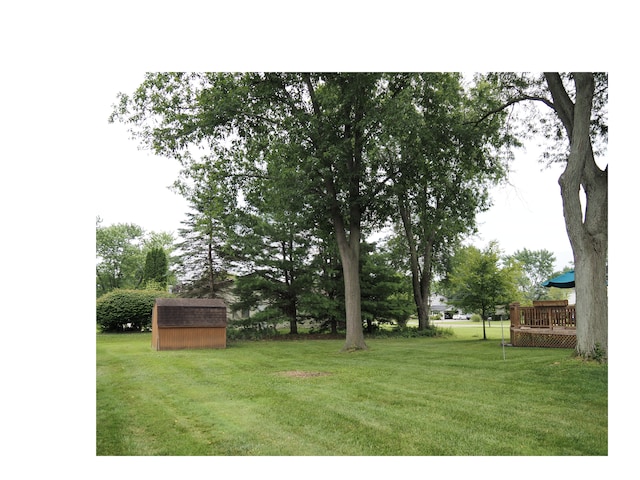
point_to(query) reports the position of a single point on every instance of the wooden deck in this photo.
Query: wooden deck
(548, 323)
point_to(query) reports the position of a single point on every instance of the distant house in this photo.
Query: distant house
(230, 298)
(439, 306)
(224, 291)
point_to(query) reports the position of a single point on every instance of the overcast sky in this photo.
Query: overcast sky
(132, 187)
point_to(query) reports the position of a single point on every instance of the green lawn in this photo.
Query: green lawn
(412, 396)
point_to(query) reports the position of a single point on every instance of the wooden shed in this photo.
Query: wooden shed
(179, 323)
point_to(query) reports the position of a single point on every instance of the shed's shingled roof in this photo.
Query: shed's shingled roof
(191, 312)
(190, 302)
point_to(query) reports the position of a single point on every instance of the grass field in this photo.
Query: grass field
(403, 396)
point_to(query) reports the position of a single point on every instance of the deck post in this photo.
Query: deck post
(514, 319)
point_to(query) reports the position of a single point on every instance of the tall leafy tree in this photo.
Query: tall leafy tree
(346, 114)
(212, 196)
(325, 123)
(274, 235)
(383, 290)
(201, 265)
(537, 266)
(478, 283)
(446, 165)
(120, 262)
(578, 128)
(588, 229)
(156, 267)
(324, 303)
(121, 252)
(278, 257)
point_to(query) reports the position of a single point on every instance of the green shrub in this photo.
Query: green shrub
(121, 310)
(411, 332)
(261, 325)
(476, 318)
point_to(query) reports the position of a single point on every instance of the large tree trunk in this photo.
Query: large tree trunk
(291, 308)
(347, 229)
(349, 248)
(211, 270)
(591, 305)
(355, 335)
(588, 230)
(350, 256)
(420, 277)
(422, 304)
(425, 287)
(292, 314)
(293, 326)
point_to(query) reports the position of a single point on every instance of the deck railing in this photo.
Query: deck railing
(544, 314)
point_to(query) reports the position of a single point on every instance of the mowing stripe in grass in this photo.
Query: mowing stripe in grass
(417, 396)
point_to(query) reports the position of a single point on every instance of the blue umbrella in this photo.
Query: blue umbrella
(566, 280)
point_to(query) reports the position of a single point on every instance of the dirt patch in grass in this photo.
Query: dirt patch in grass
(303, 374)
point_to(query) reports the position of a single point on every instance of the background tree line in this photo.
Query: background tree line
(128, 257)
(278, 290)
(288, 158)
(339, 155)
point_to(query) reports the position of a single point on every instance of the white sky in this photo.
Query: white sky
(527, 211)
(132, 187)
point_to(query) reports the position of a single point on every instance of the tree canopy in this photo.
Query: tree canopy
(156, 267)
(338, 152)
(121, 255)
(479, 283)
(537, 267)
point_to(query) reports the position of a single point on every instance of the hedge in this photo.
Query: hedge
(121, 310)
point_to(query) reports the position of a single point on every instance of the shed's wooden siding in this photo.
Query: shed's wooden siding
(154, 327)
(195, 337)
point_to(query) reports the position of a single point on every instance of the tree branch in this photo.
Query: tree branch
(513, 101)
(564, 105)
(312, 94)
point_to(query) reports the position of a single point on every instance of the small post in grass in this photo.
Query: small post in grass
(504, 355)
